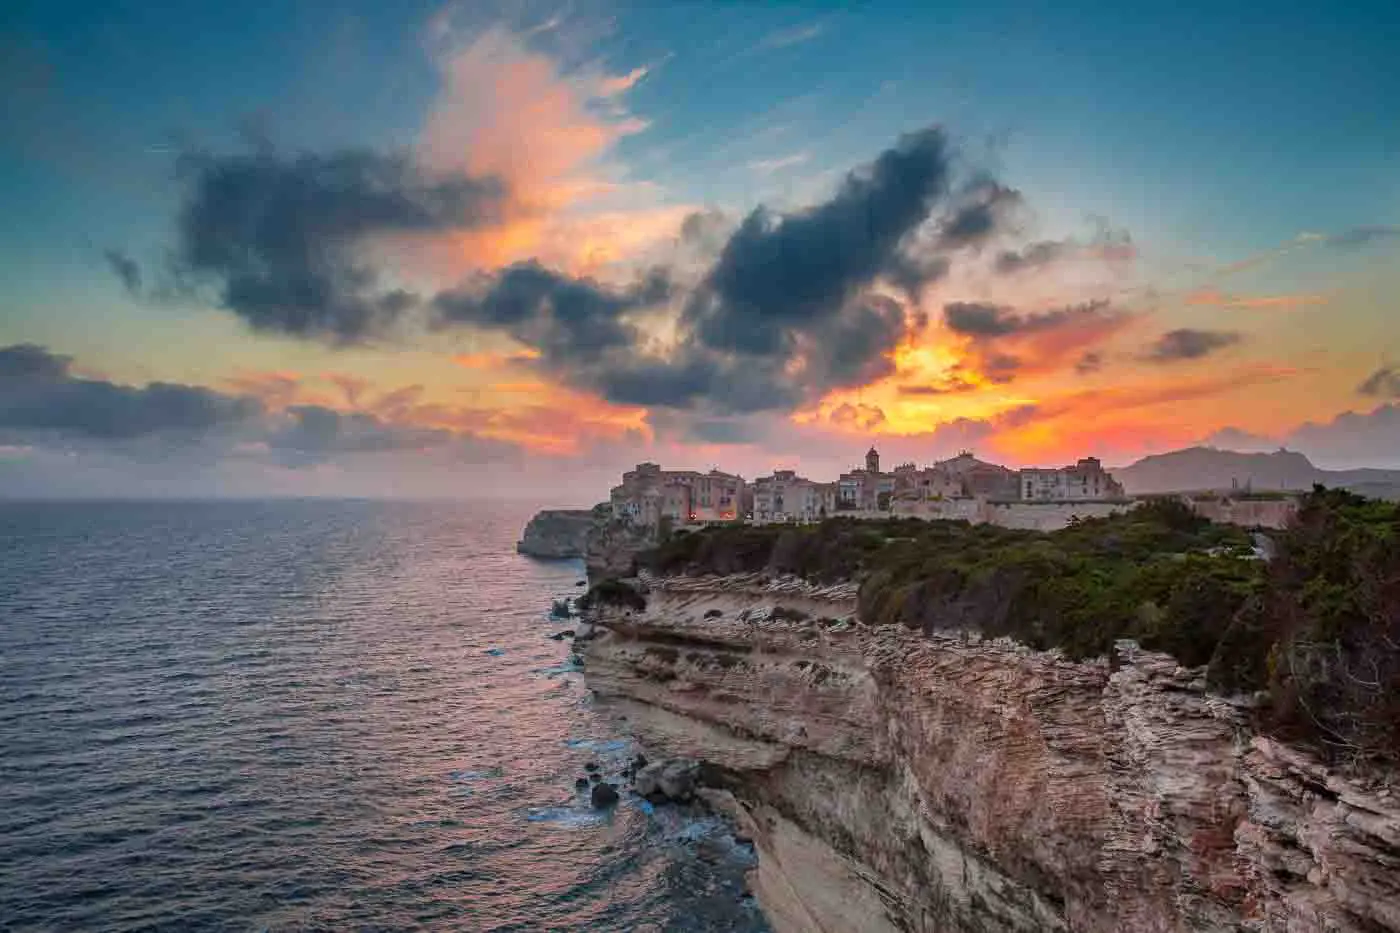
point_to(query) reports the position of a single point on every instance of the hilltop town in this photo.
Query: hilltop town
(960, 488)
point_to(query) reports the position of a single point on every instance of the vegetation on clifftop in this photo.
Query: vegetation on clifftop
(1317, 628)
(1324, 638)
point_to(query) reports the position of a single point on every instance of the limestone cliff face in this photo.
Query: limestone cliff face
(558, 533)
(611, 548)
(896, 782)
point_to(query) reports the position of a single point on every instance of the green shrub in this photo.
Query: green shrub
(1333, 623)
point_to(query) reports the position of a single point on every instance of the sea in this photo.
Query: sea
(317, 715)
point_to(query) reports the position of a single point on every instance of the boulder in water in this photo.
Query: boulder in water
(603, 795)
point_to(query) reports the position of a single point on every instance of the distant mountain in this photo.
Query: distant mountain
(1198, 468)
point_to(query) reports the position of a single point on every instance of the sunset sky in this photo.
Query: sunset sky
(415, 249)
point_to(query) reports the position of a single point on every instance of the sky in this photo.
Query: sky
(419, 249)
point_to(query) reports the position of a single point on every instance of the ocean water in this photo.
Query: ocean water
(315, 715)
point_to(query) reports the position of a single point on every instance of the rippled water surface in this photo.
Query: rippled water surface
(314, 715)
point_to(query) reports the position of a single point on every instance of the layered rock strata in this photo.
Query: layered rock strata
(892, 781)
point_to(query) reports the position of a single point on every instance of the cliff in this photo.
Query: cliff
(893, 780)
(558, 533)
(612, 546)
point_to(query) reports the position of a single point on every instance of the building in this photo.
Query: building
(961, 488)
(979, 478)
(715, 496)
(787, 497)
(1084, 481)
(648, 494)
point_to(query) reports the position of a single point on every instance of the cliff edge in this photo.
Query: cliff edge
(938, 783)
(556, 534)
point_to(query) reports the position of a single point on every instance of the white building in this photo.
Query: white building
(787, 497)
(1086, 480)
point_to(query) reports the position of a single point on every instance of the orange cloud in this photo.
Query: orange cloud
(1132, 419)
(536, 415)
(494, 359)
(507, 111)
(556, 421)
(609, 87)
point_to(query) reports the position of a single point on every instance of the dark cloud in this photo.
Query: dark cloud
(976, 319)
(1004, 343)
(785, 312)
(126, 269)
(316, 432)
(705, 231)
(1001, 368)
(952, 386)
(281, 238)
(1384, 382)
(1189, 344)
(982, 321)
(847, 349)
(692, 377)
(911, 274)
(1361, 236)
(978, 220)
(798, 272)
(1090, 362)
(1107, 244)
(26, 365)
(1033, 256)
(570, 321)
(38, 393)
(853, 349)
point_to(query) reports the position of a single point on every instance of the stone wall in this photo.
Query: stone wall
(1049, 516)
(1249, 513)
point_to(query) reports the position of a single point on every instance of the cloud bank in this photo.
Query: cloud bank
(38, 392)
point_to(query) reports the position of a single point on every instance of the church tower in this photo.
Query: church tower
(872, 461)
